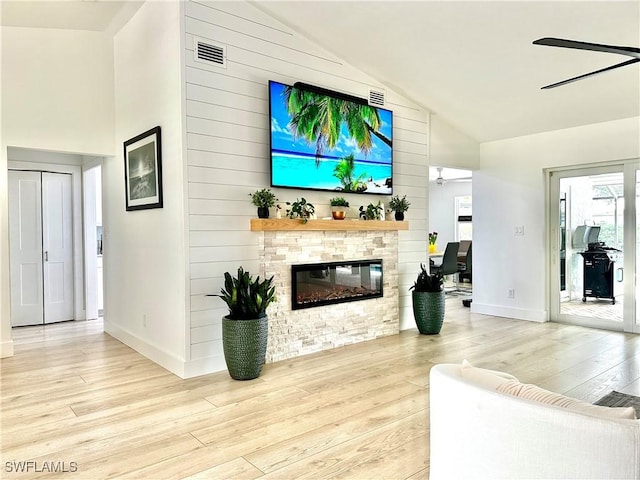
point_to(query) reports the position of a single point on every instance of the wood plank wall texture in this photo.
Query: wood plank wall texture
(227, 123)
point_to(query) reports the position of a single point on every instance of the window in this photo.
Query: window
(463, 218)
(608, 210)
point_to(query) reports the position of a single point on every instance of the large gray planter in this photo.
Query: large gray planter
(245, 345)
(428, 311)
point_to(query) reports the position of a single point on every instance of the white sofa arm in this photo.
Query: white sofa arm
(477, 433)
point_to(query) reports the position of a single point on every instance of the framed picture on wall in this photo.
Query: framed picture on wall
(143, 171)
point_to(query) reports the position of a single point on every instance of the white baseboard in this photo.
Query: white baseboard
(181, 368)
(166, 360)
(204, 366)
(6, 349)
(407, 321)
(540, 316)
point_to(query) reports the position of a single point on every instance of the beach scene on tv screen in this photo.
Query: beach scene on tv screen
(327, 143)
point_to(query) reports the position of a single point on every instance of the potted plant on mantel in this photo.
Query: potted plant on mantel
(372, 212)
(399, 206)
(263, 199)
(339, 208)
(301, 209)
(428, 302)
(245, 329)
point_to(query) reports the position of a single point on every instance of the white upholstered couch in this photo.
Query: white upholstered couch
(480, 433)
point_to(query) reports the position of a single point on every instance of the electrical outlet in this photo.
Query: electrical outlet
(511, 293)
(144, 320)
(519, 230)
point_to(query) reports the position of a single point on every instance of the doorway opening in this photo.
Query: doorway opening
(450, 217)
(93, 280)
(70, 166)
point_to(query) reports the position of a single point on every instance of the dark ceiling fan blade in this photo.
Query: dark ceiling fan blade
(586, 75)
(596, 47)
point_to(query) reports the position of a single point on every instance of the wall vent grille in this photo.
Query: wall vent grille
(212, 54)
(376, 98)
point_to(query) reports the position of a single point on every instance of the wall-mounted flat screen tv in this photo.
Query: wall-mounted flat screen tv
(324, 140)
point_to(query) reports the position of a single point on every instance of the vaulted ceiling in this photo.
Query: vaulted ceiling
(474, 63)
(471, 62)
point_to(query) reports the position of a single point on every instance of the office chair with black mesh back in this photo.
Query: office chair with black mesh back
(462, 251)
(464, 269)
(449, 264)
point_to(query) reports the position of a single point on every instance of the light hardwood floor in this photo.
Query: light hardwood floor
(73, 394)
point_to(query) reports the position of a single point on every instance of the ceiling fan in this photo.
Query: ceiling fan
(440, 180)
(596, 47)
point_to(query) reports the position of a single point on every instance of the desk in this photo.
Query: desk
(436, 255)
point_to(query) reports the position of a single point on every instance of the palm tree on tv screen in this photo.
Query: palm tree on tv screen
(318, 118)
(344, 172)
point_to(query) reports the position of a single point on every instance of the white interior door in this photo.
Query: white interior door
(41, 236)
(25, 234)
(57, 243)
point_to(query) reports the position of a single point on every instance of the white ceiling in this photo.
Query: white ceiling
(94, 15)
(471, 62)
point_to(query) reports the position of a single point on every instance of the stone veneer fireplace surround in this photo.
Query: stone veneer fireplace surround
(299, 332)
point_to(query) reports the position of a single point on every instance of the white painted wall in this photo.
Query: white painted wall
(57, 88)
(144, 251)
(451, 148)
(509, 191)
(57, 95)
(228, 153)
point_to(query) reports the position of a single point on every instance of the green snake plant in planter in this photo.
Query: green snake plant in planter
(428, 301)
(245, 329)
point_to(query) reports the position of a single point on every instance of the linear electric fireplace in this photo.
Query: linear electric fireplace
(313, 285)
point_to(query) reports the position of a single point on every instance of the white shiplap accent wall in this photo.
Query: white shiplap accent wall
(227, 123)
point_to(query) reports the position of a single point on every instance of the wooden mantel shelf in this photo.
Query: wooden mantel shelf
(284, 224)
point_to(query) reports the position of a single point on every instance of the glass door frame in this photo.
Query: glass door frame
(553, 176)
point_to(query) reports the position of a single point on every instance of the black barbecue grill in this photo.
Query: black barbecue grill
(599, 268)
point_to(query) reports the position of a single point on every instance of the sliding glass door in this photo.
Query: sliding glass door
(634, 313)
(593, 240)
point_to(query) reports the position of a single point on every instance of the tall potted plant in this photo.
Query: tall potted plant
(428, 302)
(399, 206)
(263, 199)
(245, 328)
